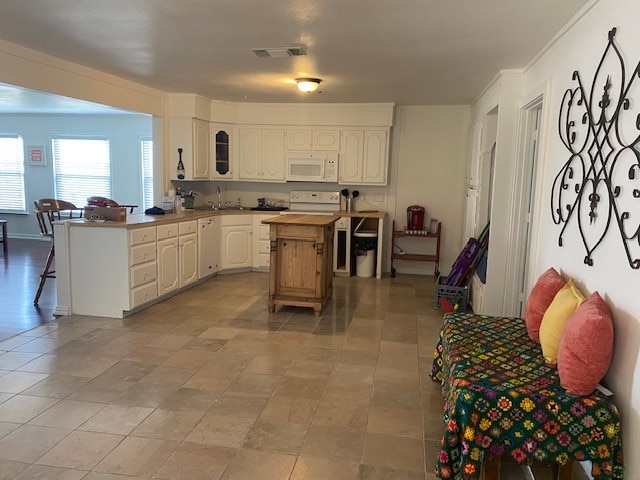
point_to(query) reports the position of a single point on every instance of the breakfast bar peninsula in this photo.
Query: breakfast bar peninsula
(301, 249)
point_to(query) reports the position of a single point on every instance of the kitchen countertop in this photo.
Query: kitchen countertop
(139, 220)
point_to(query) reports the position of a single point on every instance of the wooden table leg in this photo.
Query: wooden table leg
(491, 467)
(563, 472)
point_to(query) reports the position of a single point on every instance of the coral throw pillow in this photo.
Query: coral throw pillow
(541, 296)
(586, 346)
(566, 301)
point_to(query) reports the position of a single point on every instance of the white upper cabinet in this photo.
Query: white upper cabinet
(261, 154)
(365, 157)
(317, 139)
(221, 153)
(192, 136)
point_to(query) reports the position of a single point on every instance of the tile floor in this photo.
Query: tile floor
(209, 385)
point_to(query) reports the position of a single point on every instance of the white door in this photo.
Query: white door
(272, 154)
(375, 158)
(200, 149)
(351, 160)
(168, 279)
(188, 259)
(249, 153)
(236, 247)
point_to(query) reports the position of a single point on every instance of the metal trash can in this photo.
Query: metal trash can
(365, 243)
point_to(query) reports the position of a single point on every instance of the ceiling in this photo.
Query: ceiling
(409, 52)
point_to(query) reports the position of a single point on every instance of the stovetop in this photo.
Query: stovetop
(270, 209)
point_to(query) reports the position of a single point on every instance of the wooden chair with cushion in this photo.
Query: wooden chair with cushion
(49, 210)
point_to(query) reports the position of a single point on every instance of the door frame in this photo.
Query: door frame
(538, 99)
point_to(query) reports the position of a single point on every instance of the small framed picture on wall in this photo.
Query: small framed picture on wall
(37, 156)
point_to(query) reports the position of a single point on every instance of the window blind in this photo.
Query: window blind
(146, 148)
(12, 196)
(82, 168)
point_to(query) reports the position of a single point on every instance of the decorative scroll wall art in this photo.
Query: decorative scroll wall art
(599, 185)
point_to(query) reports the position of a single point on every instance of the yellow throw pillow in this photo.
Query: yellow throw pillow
(566, 301)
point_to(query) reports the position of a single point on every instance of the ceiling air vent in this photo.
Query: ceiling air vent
(280, 52)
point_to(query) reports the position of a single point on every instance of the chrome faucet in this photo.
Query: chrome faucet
(218, 192)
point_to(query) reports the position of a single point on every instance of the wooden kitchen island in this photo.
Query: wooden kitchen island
(301, 249)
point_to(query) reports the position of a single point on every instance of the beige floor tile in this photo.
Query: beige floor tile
(56, 386)
(393, 421)
(340, 412)
(321, 469)
(88, 367)
(393, 451)
(377, 472)
(14, 360)
(110, 476)
(5, 396)
(126, 371)
(16, 382)
(397, 396)
(9, 469)
(167, 425)
(150, 355)
(67, 414)
(116, 419)
(334, 443)
(45, 472)
(253, 384)
(191, 400)
(6, 428)
(145, 395)
(22, 408)
(240, 404)
(29, 442)
(289, 410)
(100, 390)
(249, 464)
(220, 333)
(301, 387)
(314, 369)
(197, 462)
(357, 357)
(168, 375)
(188, 358)
(277, 437)
(172, 342)
(137, 457)
(80, 450)
(268, 365)
(47, 364)
(223, 430)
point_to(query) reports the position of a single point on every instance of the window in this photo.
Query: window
(12, 197)
(82, 168)
(146, 153)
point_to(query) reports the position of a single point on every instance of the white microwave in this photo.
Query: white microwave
(312, 167)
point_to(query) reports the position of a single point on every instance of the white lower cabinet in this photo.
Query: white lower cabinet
(208, 246)
(188, 258)
(236, 241)
(261, 243)
(142, 266)
(168, 279)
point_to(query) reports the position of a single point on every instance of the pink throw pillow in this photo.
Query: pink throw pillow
(586, 346)
(541, 296)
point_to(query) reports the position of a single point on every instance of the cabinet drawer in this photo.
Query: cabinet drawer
(264, 246)
(141, 274)
(143, 294)
(142, 254)
(236, 220)
(142, 235)
(167, 231)
(263, 232)
(188, 227)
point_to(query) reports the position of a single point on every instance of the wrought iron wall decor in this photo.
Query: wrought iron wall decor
(599, 184)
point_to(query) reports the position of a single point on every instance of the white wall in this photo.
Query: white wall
(580, 48)
(428, 168)
(124, 132)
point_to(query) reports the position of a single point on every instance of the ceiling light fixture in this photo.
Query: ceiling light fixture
(308, 84)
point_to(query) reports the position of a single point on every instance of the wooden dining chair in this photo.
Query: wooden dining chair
(49, 210)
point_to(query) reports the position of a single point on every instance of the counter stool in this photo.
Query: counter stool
(49, 210)
(5, 244)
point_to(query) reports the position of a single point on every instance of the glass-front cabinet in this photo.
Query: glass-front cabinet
(221, 151)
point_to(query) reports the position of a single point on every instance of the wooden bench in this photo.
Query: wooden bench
(5, 240)
(503, 403)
